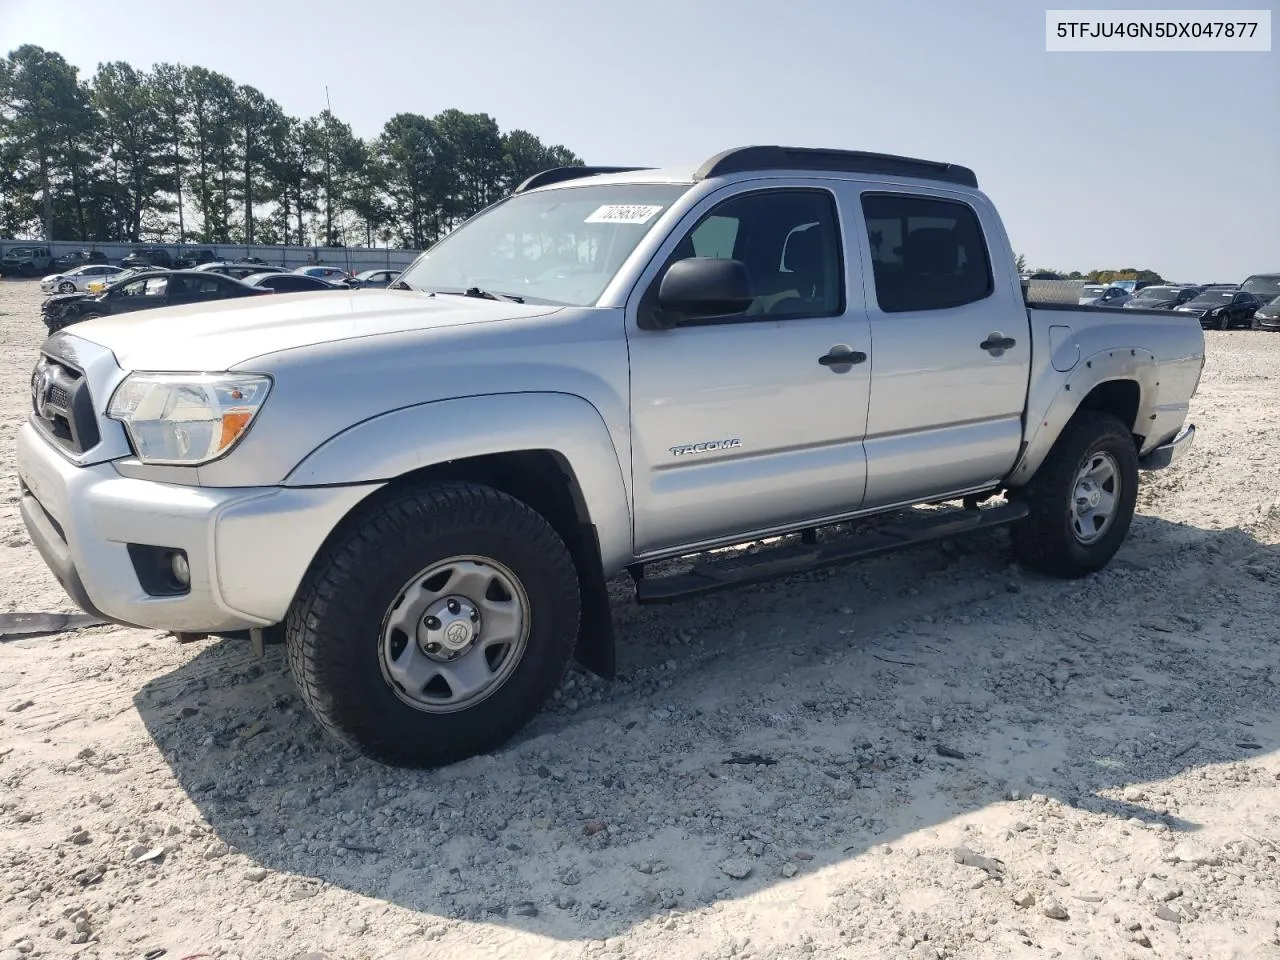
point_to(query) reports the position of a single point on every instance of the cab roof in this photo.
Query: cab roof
(756, 159)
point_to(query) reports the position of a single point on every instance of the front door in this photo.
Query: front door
(751, 422)
(141, 294)
(953, 348)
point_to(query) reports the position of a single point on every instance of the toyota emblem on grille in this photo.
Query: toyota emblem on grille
(44, 384)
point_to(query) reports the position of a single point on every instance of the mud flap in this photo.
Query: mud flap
(595, 650)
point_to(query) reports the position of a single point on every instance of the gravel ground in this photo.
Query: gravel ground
(932, 755)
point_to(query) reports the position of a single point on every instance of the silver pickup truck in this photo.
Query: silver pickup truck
(425, 489)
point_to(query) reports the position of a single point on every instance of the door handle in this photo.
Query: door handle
(843, 358)
(994, 343)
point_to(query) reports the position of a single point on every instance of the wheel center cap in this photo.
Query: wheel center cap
(449, 628)
(457, 635)
(1088, 495)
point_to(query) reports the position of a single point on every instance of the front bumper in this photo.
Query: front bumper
(1266, 323)
(247, 547)
(1167, 454)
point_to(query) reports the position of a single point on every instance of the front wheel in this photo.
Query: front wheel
(1082, 498)
(66, 286)
(435, 624)
(1224, 321)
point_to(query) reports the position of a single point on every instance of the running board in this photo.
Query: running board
(709, 576)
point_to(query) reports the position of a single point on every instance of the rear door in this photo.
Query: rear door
(952, 345)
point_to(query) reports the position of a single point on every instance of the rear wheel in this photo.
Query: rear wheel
(1082, 498)
(435, 624)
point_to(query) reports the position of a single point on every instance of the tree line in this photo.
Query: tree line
(186, 154)
(1093, 276)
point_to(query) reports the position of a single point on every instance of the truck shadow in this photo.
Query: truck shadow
(781, 729)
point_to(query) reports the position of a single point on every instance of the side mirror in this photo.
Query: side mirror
(701, 287)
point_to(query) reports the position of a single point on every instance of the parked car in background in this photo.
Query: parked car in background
(237, 269)
(79, 278)
(1267, 316)
(78, 258)
(332, 274)
(26, 261)
(1091, 292)
(1111, 297)
(193, 258)
(291, 282)
(1264, 286)
(147, 290)
(148, 257)
(1162, 297)
(377, 278)
(1132, 286)
(1223, 309)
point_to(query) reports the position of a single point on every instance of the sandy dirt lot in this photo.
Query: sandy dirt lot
(932, 755)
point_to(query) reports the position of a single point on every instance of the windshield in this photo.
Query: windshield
(1216, 296)
(1157, 293)
(559, 246)
(1264, 288)
(1091, 290)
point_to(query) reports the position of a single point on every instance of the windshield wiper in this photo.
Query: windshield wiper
(483, 294)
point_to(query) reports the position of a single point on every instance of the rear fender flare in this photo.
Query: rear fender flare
(1045, 420)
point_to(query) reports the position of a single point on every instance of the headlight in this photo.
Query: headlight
(187, 419)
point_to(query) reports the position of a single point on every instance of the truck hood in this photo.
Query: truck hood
(219, 335)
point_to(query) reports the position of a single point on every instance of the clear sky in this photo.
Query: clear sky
(1163, 160)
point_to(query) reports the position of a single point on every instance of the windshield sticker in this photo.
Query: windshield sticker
(623, 213)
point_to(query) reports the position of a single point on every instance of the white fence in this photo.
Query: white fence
(353, 259)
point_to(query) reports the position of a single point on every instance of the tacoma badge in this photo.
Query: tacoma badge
(704, 447)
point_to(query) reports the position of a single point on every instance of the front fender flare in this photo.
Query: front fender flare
(393, 444)
(1048, 414)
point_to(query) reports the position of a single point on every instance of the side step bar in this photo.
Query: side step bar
(709, 576)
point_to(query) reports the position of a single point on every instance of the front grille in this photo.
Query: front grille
(61, 405)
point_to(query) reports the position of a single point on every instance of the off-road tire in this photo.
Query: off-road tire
(1045, 540)
(333, 627)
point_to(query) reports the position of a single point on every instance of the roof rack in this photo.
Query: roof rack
(560, 174)
(750, 159)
